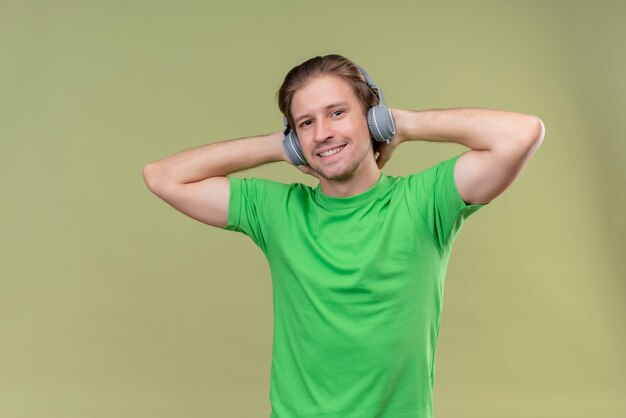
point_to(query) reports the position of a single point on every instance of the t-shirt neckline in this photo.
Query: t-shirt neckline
(334, 202)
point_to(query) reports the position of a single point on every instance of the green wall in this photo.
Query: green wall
(113, 304)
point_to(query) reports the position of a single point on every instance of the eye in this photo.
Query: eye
(303, 124)
(340, 111)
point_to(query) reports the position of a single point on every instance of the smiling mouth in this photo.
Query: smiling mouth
(332, 152)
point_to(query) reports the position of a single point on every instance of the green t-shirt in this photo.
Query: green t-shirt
(357, 289)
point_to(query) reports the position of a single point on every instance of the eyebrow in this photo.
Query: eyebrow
(326, 108)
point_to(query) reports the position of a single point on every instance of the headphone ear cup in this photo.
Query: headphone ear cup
(381, 124)
(291, 145)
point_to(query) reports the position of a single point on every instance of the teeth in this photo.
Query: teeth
(332, 151)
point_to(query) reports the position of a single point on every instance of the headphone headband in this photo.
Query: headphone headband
(370, 82)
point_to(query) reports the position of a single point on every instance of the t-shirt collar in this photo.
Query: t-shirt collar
(334, 202)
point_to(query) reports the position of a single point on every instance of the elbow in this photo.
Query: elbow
(533, 134)
(537, 131)
(150, 176)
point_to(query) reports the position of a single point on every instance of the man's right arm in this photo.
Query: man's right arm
(195, 181)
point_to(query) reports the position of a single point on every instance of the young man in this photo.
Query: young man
(358, 263)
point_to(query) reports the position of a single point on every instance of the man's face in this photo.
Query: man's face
(321, 128)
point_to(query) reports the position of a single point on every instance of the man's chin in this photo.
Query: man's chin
(342, 176)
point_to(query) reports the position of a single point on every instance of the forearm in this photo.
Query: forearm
(217, 159)
(480, 129)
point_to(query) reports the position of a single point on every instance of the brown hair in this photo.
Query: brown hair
(333, 64)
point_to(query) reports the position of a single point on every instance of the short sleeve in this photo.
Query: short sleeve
(438, 200)
(250, 207)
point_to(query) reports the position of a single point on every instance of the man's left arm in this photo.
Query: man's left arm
(501, 144)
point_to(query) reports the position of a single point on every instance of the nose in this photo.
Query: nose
(322, 131)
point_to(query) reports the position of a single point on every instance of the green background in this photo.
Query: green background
(113, 304)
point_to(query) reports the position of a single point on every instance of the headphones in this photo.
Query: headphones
(379, 120)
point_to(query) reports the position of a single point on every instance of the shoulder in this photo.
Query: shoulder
(429, 174)
(259, 185)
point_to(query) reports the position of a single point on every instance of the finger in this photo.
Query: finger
(308, 170)
(381, 161)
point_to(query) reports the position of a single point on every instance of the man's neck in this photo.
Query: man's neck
(359, 183)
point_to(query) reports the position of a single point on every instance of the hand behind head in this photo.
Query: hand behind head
(308, 170)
